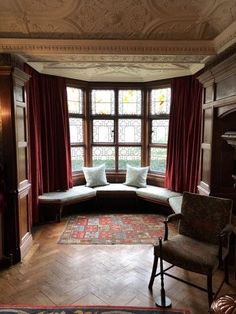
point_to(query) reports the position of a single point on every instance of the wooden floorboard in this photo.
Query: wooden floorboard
(61, 274)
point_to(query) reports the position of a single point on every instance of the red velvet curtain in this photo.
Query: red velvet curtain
(50, 163)
(184, 135)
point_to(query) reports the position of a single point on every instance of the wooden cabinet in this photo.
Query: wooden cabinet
(218, 158)
(14, 158)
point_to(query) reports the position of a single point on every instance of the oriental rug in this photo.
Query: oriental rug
(10, 309)
(114, 229)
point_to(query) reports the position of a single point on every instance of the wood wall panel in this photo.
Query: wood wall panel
(226, 87)
(219, 116)
(206, 163)
(209, 94)
(207, 125)
(14, 145)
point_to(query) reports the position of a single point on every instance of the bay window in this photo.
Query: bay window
(116, 133)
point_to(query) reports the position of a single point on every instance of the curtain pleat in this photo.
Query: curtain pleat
(50, 162)
(183, 151)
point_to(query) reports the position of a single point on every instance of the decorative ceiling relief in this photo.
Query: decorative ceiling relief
(126, 40)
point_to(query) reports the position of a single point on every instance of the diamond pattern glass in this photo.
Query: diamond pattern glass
(129, 155)
(103, 102)
(129, 130)
(104, 154)
(160, 101)
(130, 102)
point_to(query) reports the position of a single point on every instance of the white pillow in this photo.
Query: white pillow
(136, 176)
(95, 176)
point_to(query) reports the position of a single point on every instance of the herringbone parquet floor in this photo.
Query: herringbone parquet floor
(56, 274)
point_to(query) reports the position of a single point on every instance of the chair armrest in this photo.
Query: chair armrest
(225, 232)
(170, 218)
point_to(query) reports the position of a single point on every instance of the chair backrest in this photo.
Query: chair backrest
(204, 217)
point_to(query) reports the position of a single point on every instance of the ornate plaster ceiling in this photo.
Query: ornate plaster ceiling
(117, 40)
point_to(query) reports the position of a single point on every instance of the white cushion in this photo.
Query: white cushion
(157, 193)
(75, 193)
(113, 187)
(136, 176)
(95, 176)
(176, 203)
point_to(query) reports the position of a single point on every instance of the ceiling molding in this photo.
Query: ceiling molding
(226, 39)
(134, 47)
(110, 40)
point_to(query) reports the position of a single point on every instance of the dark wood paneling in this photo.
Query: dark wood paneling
(219, 116)
(14, 145)
(207, 125)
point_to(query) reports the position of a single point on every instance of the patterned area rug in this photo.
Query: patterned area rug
(10, 309)
(114, 229)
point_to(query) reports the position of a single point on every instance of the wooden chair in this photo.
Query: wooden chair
(202, 242)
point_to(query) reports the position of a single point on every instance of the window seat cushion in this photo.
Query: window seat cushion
(76, 193)
(156, 194)
(82, 193)
(116, 187)
(176, 203)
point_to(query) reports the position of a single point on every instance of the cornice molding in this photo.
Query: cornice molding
(135, 47)
(226, 39)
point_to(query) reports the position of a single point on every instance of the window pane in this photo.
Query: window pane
(158, 159)
(103, 102)
(103, 155)
(77, 158)
(129, 130)
(130, 102)
(103, 131)
(129, 155)
(74, 99)
(76, 130)
(160, 101)
(160, 131)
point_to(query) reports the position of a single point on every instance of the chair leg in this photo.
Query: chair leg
(154, 269)
(209, 290)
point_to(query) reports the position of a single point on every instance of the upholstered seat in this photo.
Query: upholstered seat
(156, 193)
(203, 258)
(202, 242)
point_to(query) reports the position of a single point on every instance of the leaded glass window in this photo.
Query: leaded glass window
(76, 130)
(103, 102)
(158, 159)
(129, 130)
(159, 127)
(104, 155)
(77, 158)
(103, 131)
(76, 126)
(160, 131)
(160, 101)
(74, 100)
(130, 102)
(129, 155)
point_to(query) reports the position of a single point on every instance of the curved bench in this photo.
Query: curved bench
(77, 194)
(60, 199)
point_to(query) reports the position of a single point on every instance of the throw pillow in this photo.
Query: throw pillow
(95, 176)
(136, 176)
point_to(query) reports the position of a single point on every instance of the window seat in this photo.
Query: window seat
(77, 194)
(60, 199)
(156, 194)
